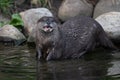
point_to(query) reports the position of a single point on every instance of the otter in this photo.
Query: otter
(72, 39)
(47, 36)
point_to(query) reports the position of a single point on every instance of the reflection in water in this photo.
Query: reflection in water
(18, 63)
(114, 70)
(71, 70)
(92, 67)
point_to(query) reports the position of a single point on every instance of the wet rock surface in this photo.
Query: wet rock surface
(9, 33)
(111, 24)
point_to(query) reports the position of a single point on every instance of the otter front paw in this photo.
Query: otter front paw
(50, 56)
(38, 55)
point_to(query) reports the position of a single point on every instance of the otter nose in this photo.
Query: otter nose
(48, 22)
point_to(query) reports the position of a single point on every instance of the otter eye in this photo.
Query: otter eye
(53, 20)
(53, 24)
(48, 22)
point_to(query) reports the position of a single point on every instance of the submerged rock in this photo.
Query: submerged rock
(30, 18)
(9, 33)
(111, 24)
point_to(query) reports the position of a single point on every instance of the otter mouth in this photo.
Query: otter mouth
(47, 29)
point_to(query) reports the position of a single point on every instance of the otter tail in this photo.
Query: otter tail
(105, 41)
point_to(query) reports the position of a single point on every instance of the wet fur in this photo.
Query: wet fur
(79, 36)
(74, 38)
(45, 42)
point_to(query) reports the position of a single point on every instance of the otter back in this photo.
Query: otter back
(79, 36)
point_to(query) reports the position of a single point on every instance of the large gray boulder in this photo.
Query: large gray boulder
(111, 24)
(71, 8)
(104, 6)
(30, 18)
(10, 33)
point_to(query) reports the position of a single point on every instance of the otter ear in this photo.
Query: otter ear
(57, 20)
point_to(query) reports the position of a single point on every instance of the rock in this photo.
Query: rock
(104, 6)
(94, 2)
(10, 33)
(111, 24)
(30, 18)
(71, 8)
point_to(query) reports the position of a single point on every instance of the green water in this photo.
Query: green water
(19, 63)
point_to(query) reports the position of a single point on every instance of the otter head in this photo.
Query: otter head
(46, 24)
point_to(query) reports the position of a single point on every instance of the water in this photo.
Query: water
(19, 63)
